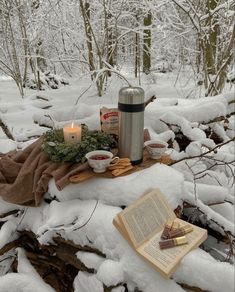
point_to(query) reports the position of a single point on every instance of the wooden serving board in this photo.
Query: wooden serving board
(147, 162)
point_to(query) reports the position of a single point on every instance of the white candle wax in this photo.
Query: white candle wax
(72, 133)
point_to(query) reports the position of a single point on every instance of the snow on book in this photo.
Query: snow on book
(142, 224)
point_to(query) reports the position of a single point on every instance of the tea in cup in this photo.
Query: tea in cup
(155, 148)
(99, 160)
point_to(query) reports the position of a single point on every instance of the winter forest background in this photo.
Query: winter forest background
(94, 37)
(60, 62)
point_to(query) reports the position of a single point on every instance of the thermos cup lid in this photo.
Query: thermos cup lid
(131, 95)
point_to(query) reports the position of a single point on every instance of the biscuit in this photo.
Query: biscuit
(120, 171)
(117, 166)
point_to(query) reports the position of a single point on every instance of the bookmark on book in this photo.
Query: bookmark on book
(173, 242)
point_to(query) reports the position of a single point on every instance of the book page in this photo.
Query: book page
(121, 228)
(146, 217)
(166, 260)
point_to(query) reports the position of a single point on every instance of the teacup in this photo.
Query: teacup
(99, 160)
(155, 148)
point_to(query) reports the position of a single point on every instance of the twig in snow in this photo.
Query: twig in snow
(72, 224)
(83, 93)
(231, 243)
(205, 153)
(48, 116)
(6, 130)
(111, 69)
(96, 204)
(151, 99)
(210, 220)
(170, 125)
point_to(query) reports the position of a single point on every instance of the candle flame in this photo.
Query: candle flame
(72, 125)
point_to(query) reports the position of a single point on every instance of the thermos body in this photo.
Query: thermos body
(131, 123)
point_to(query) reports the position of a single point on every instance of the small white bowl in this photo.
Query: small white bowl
(99, 160)
(155, 148)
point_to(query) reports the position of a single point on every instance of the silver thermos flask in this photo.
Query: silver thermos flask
(131, 123)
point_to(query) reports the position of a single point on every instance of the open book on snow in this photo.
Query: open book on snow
(142, 224)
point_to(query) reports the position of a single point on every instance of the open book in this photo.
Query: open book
(142, 224)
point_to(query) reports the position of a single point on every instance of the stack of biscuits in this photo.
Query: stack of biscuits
(122, 166)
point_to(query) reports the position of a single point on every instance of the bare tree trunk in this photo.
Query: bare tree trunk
(210, 48)
(85, 9)
(211, 42)
(109, 37)
(222, 65)
(25, 44)
(147, 44)
(137, 57)
(41, 62)
(15, 60)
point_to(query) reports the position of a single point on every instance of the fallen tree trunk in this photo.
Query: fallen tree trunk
(57, 264)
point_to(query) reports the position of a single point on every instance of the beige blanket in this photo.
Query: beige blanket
(24, 175)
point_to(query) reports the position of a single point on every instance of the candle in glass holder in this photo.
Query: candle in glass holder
(72, 133)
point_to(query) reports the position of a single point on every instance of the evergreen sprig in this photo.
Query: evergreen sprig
(58, 150)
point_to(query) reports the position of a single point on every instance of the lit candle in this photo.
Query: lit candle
(72, 133)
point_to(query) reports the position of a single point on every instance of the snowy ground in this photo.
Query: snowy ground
(178, 183)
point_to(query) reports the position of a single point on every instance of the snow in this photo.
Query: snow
(219, 130)
(193, 112)
(75, 214)
(2, 134)
(210, 213)
(17, 282)
(83, 212)
(103, 235)
(6, 207)
(7, 145)
(222, 278)
(226, 210)
(117, 191)
(118, 289)
(122, 264)
(208, 194)
(85, 282)
(90, 260)
(8, 233)
(111, 267)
